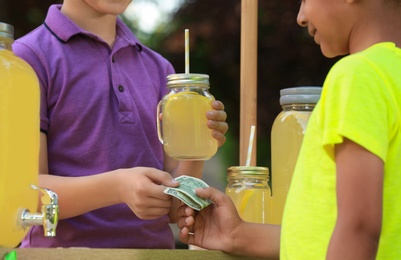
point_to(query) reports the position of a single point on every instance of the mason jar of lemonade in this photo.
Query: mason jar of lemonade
(19, 140)
(181, 118)
(286, 138)
(248, 188)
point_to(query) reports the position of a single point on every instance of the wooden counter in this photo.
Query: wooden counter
(111, 254)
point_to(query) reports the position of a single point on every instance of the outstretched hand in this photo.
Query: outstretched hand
(213, 227)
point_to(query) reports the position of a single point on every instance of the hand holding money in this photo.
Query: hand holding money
(186, 192)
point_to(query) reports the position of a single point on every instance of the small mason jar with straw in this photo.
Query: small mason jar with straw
(248, 188)
(181, 115)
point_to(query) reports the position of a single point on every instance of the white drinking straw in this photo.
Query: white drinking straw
(250, 146)
(186, 51)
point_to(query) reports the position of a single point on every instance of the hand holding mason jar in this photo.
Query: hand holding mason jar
(182, 125)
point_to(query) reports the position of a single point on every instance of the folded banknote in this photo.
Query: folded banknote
(186, 192)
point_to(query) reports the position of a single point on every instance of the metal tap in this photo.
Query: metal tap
(48, 218)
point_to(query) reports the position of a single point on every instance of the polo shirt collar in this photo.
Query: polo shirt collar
(63, 28)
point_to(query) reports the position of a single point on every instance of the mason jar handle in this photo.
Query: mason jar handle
(158, 119)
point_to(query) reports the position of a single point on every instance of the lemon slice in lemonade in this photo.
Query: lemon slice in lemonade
(247, 194)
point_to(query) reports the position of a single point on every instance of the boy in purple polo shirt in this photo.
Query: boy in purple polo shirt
(99, 149)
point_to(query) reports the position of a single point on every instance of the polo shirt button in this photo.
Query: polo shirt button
(121, 88)
(113, 59)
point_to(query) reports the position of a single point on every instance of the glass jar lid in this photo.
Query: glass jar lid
(6, 30)
(254, 171)
(300, 95)
(173, 80)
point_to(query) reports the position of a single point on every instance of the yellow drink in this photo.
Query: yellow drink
(287, 135)
(184, 126)
(253, 205)
(248, 189)
(19, 144)
(286, 139)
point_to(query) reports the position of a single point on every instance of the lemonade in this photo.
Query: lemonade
(253, 205)
(288, 131)
(19, 144)
(286, 139)
(249, 190)
(181, 118)
(184, 124)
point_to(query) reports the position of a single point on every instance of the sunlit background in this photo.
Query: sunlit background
(148, 14)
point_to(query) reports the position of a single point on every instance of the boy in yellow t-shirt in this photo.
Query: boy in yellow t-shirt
(344, 200)
(359, 111)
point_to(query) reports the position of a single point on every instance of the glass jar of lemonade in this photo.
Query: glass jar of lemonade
(248, 188)
(19, 139)
(181, 118)
(286, 138)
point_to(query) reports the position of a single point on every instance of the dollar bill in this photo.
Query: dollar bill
(186, 192)
(184, 198)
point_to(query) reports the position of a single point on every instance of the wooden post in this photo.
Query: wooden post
(248, 77)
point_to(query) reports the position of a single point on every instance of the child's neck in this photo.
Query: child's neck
(104, 26)
(381, 27)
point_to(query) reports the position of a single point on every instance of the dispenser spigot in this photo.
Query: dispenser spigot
(48, 218)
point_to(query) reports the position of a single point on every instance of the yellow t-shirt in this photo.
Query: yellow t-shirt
(361, 100)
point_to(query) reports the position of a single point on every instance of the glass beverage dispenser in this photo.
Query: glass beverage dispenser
(286, 138)
(19, 149)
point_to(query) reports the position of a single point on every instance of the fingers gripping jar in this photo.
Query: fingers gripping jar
(182, 125)
(286, 138)
(249, 190)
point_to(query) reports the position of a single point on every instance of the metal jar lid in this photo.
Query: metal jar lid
(300, 95)
(251, 171)
(6, 30)
(187, 79)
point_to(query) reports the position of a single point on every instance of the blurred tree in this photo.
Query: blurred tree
(24, 15)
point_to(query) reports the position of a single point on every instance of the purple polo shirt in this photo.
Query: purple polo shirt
(98, 108)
